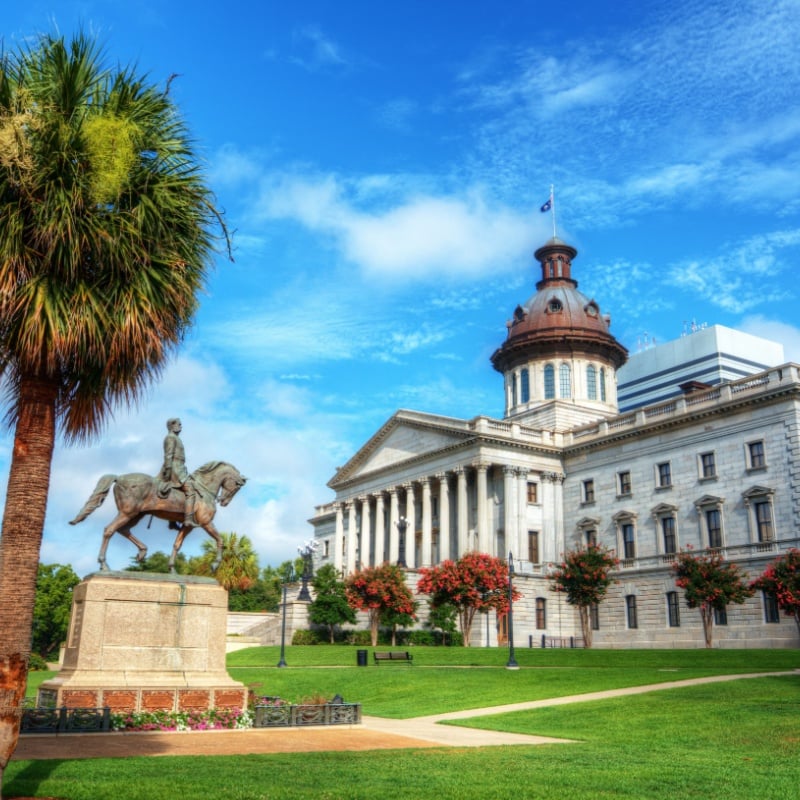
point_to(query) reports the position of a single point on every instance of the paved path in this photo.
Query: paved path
(375, 733)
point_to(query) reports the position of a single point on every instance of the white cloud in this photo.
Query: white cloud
(420, 236)
(787, 335)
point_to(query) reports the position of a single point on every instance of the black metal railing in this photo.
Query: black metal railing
(65, 720)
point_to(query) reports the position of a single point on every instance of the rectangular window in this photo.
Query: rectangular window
(541, 613)
(714, 525)
(708, 465)
(533, 547)
(624, 479)
(771, 613)
(720, 616)
(533, 492)
(591, 538)
(673, 610)
(664, 475)
(588, 491)
(668, 532)
(628, 541)
(594, 616)
(326, 548)
(763, 513)
(756, 456)
(630, 605)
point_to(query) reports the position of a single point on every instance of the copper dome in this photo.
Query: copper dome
(558, 321)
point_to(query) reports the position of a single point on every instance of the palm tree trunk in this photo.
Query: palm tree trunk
(23, 522)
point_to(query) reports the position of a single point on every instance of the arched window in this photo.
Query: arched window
(564, 381)
(591, 382)
(549, 382)
(513, 389)
(525, 386)
(602, 384)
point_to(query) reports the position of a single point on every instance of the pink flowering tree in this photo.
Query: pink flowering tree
(381, 592)
(709, 583)
(476, 582)
(782, 578)
(584, 576)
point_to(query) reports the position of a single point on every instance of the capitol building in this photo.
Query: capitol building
(693, 443)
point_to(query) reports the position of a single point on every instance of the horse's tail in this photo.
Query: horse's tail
(96, 500)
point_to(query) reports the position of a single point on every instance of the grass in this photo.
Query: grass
(733, 741)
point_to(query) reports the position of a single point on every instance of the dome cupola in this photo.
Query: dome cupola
(559, 348)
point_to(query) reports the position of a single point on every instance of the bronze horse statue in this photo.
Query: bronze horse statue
(136, 496)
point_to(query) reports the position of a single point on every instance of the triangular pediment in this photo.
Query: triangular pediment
(404, 437)
(758, 491)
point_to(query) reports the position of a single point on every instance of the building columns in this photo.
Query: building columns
(427, 527)
(380, 530)
(444, 517)
(411, 529)
(462, 512)
(484, 545)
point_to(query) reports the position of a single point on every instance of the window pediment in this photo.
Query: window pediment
(664, 509)
(709, 500)
(586, 523)
(625, 516)
(757, 491)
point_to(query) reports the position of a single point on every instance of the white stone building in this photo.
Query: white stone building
(712, 467)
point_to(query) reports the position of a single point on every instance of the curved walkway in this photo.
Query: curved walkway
(375, 733)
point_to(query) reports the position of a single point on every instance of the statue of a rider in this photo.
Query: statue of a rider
(173, 473)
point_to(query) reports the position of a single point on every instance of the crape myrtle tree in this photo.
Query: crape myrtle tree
(379, 591)
(477, 582)
(107, 232)
(329, 606)
(710, 584)
(584, 576)
(782, 579)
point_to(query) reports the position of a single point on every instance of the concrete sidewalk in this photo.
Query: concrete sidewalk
(375, 733)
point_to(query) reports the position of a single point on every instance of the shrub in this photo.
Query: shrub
(307, 637)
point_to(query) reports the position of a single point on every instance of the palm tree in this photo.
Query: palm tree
(107, 230)
(238, 567)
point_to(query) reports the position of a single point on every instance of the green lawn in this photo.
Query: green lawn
(734, 741)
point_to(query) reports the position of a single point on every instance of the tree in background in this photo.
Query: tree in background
(238, 567)
(782, 579)
(710, 584)
(379, 591)
(106, 236)
(477, 582)
(158, 562)
(51, 612)
(584, 576)
(443, 618)
(329, 606)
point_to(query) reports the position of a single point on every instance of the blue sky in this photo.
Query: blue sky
(382, 166)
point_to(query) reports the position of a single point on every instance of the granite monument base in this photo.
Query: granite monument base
(146, 642)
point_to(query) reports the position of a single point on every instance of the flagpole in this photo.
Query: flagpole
(553, 208)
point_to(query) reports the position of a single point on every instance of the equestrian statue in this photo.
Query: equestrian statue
(186, 501)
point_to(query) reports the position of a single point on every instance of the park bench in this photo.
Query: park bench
(393, 655)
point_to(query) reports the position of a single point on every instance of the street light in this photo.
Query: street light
(512, 662)
(288, 578)
(402, 525)
(307, 554)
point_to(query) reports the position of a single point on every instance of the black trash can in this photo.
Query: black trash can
(361, 658)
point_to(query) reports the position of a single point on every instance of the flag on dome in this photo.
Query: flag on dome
(547, 206)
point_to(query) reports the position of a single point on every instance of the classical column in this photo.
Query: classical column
(462, 512)
(444, 517)
(366, 526)
(522, 512)
(352, 537)
(510, 515)
(427, 526)
(338, 540)
(411, 530)
(553, 541)
(484, 546)
(380, 531)
(394, 535)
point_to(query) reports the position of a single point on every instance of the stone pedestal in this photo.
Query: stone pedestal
(146, 642)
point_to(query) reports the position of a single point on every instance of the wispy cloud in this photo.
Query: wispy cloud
(314, 50)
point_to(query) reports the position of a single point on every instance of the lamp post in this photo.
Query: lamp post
(288, 578)
(402, 525)
(512, 662)
(307, 554)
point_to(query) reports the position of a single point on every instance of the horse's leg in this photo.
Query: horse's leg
(118, 522)
(125, 531)
(214, 534)
(184, 531)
